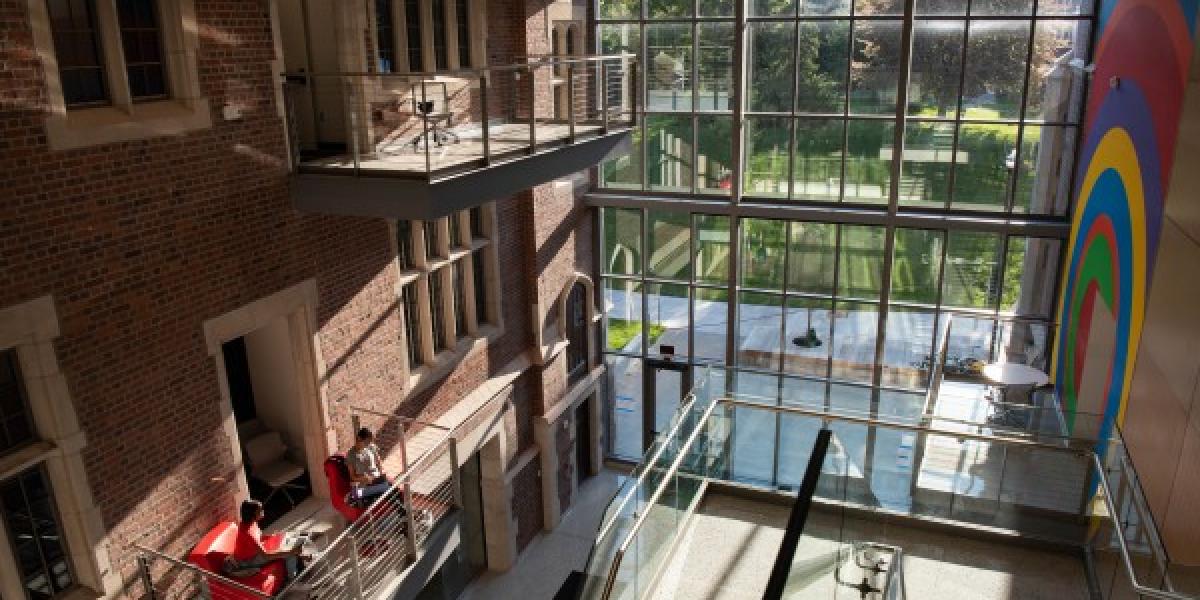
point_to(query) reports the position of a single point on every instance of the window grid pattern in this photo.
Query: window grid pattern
(32, 521)
(141, 40)
(809, 295)
(385, 40)
(462, 18)
(457, 282)
(440, 54)
(77, 50)
(989, 122)
(412, 26)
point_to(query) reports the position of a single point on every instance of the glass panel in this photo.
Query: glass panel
(433, 239)
(878, 7)
(481, 295)
(460, 299)
(908, 346)
(984, 166)
(623, 309)
(770, 66)
(716, 8)
(995, 69)
(624, 171)
(622, 241)
(669, 236)
(754, 432)
(1065, 7)
(915, 265)
(438, 8)
(941, 7)
(712, 249)
(626, 406)
(142, 44)
(669, 152)
(437, 311)
(928, 148)
(936, 68)
(797, 433)
(807, 323)
(1044, 170)
(875, 69)
(860, 266)
(667, 310)
(1030, 273)
(668, 67)
(817, 167)
(412, 325)
(463, 29)
(77, 50)
(1013, 8)
(763, 246)
(822, 66)
(972, 274)
(767, 8)
(668, 8)
(714, 89)
(1054, 86)
(714, 159)
(868, 161)
(667, 393)
(854, 330)
(760, 326)
(620, 9)
(825, 7)
(766, 141)
(711, 314)
(969, 345)
(385, 40)
(413, 29)
(16, 425)
(28, 508)
(810, 266)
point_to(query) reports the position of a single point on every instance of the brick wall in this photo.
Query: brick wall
(527, 503)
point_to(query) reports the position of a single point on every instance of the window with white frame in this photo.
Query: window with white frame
(447, 282)
(118, 69)
(435, 35)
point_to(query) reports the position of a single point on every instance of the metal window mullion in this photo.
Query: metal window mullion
(951, 189)
(1011, 196)
(937, 305)
(693, 244)
(783, 294)
(645, 267)
(889, 244)
(791, 158)
(738, 99)
(845, 116)
(833, 302)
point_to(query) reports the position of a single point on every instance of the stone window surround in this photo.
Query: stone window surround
(476, 19)
(123, 119)
(297, 304)
(31, 328)
(437, 364)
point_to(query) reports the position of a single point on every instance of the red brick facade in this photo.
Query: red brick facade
(140, 242)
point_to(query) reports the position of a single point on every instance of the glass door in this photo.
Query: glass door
(665, 384)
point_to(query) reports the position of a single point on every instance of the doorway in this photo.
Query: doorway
(309, 34)
(665, 383)
(583, 441)
(263, 383)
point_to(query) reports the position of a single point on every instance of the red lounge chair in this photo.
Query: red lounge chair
(210, 552)
(339, 487)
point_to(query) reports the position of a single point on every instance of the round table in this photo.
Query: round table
(1014, 374)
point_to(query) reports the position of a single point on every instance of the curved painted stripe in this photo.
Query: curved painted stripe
(1179, 28)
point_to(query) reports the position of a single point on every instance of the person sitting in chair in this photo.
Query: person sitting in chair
(249, 555)
(366, 469)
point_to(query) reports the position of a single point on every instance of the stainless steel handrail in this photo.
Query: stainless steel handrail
(637, 525)
(1096, 459)
(241, 587)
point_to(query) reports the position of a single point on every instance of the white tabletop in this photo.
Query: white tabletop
(1014, 374)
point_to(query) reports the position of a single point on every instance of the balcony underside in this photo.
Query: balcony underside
(396, 185)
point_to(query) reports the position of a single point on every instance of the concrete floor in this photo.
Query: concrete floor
(551, 556)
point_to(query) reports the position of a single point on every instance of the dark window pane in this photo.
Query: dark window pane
(412, 26)
(577, 327)
(385, 40)
(412, 325)
(16, 422)
(463, 24)
(481, 295)
(29, 511)
(476, 215)
(433, 240)
(439, 34)
(436, 304)
(455, 231)
(77, 49)
(460, 299)
(142, 41)
(404, 245)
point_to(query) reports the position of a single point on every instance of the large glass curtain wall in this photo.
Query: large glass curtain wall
(803, 312)
(985, 101)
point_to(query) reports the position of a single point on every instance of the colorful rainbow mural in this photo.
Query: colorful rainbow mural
(1129, 141)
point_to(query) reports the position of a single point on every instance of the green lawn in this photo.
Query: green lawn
(622, 331)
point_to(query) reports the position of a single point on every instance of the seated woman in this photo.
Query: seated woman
(249, 555)
(366, 470)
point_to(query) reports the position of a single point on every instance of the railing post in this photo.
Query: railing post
(604, 96)
(404, 445)
(355, 570)
(532, 110)
(351, 101)
(456, 481)
(425, 128)
(408, 515)
(144, 573)
(483, 106)
(570, 103)
(355, 423)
